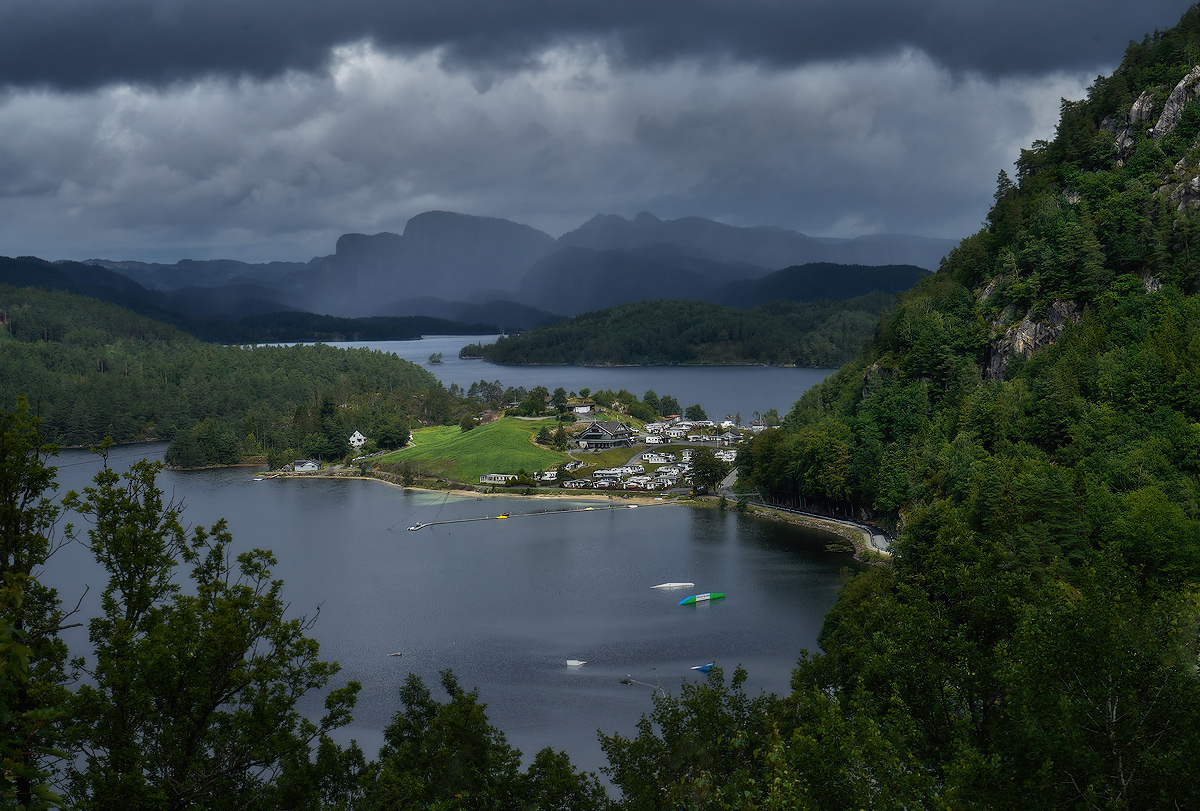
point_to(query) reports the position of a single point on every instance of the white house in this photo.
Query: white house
(357, 440)
(497, 478)
(306, 466)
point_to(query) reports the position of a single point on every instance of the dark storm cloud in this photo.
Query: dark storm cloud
(81, 44)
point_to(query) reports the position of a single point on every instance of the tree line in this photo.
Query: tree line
(91, 370)
(669, 333)
(1034, 642)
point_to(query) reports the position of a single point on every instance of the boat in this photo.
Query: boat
(576, 662)
(704, 668)
(673, 586)
(702, 598)
(397, 653)
(502, 515)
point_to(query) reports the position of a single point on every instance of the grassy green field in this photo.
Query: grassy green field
(502, 446)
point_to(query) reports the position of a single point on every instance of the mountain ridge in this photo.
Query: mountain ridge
(471, 261)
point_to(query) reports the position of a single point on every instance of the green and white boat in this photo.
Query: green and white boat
(702, 598)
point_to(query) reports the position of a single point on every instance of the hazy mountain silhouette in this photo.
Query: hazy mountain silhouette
(489, 270)
(442, 255)
(770, 247)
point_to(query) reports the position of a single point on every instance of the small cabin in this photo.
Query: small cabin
(306, 466)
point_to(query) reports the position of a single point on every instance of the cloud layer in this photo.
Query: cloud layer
(172, 129)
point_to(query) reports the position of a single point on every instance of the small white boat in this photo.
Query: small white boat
(576, 662)
(673, 586)
(397, 653)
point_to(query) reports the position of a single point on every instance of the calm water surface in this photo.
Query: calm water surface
(506, 603)
(721, 390)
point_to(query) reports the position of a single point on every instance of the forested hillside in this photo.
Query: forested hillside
(91, 370)
(669, 333)
(1029, 418)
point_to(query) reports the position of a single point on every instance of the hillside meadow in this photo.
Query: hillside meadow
(502, 446)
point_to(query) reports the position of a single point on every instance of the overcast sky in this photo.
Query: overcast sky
(263, 129)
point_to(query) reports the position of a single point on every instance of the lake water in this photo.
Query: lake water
(721, 390)
(506, 603)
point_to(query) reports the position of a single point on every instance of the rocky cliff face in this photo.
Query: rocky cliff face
(1182, 188)
(1185, 91)
(1027, 336)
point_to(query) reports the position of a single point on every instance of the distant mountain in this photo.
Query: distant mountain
(770, 247)
(441, 254)
(232, 314)
(578, 280)
(199, 273)
(464, 267)
(230, 302)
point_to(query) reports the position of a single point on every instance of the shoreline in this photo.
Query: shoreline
(858, 538)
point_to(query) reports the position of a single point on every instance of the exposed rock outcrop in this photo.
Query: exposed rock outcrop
(1142, 110)
(1184, 92)
(1184, 194)
(1027, 336)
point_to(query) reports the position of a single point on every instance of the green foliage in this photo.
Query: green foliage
(1033, 643)
(500, 446)
(33, 679)
(447, 755)
(688, 332)
(191, 697)
(21, 748)
(707, 469)
(132, 379)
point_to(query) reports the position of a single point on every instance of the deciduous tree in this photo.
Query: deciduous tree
(192, 695)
